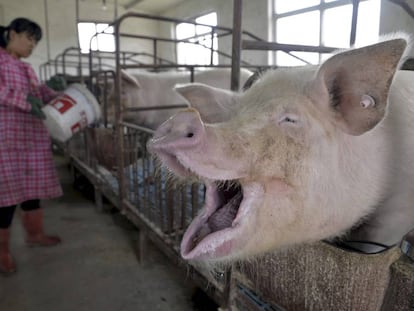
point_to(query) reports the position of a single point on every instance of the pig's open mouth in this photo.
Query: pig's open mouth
(215, 232)
(220, 211)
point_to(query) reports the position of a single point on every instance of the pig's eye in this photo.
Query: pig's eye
(288, 119)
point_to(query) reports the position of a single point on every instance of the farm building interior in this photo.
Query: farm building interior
(122, 217)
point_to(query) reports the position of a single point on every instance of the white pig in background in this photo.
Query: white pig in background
(148, 89)
(307, 153)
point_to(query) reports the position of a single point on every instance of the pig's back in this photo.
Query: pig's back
(400, 116)
(399, 124)
(221, 77)
(396, 213)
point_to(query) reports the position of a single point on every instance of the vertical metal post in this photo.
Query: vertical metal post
(56, 64)
(213, 30)
(77, 34)
(154, 46)
(47, 31)
(116, 9)
(91, 73)
(355, 8)
(118, 116)
(142, 245)
(64, 63)
(236, 45)
(191, 74)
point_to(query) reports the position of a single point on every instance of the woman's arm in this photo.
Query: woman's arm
(47, 93)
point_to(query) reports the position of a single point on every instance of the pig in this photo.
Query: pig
(306, 154)
(146, 89)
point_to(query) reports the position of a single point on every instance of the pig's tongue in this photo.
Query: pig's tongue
(222, 218)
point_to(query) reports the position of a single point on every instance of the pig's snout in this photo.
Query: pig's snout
(183, 130)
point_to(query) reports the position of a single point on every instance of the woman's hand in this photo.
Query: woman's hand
(37, 105)
(56, 83)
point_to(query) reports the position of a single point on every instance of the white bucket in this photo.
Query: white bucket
(71, 112)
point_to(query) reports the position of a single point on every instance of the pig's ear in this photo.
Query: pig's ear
(129, 79)
(214, 105)
(356, 82)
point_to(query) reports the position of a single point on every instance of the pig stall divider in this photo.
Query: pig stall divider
(319, 276)
(76, 67)
(151, 199)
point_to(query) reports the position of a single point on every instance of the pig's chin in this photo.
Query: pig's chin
(170, 161)
(219, 231)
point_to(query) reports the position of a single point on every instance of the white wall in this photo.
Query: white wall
(1, 15)
(254, 20)
(394, 19)
(62, 27)
(63, 32)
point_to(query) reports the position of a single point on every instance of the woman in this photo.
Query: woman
(27, 171)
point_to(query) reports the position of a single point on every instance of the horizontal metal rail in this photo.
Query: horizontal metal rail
(145, 108)
(273, 46)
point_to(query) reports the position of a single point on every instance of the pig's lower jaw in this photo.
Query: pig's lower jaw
(215, 233)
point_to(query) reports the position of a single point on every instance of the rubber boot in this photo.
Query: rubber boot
(33, 224)
(7, 265)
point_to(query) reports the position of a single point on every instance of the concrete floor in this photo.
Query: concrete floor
(95, 268)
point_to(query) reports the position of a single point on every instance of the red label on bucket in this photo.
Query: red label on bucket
(83, 122)
(63, 103)
(75, 128)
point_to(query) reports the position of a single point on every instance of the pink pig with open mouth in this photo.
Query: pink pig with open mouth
(307, 153)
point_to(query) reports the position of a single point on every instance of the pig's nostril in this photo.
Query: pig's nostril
(189, 135)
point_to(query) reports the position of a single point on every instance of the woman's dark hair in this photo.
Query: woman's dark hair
(19, 25)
